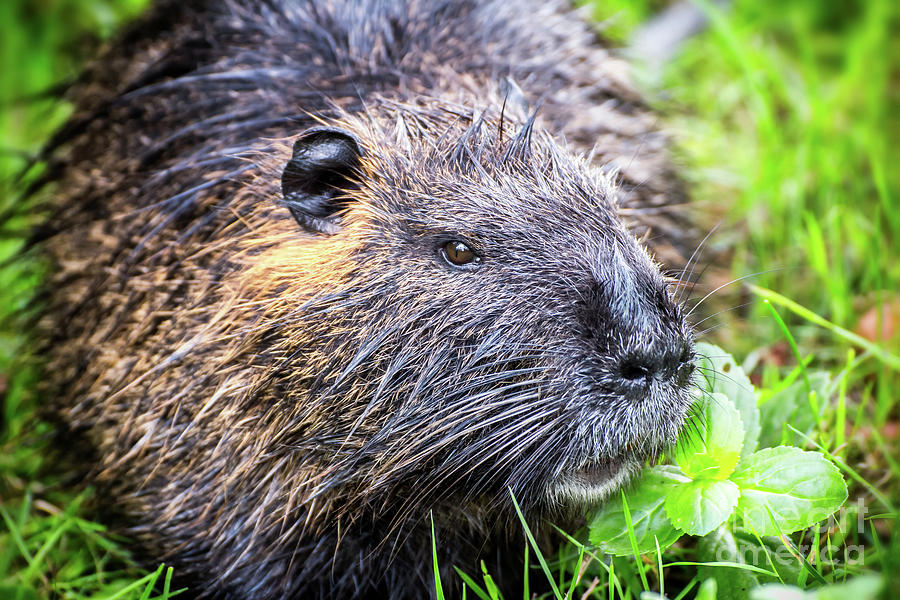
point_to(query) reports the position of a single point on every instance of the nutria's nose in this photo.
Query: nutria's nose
(635, 368)
(652, 364)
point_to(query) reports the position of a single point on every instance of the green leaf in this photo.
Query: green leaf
(777, 591)
(792, 405)
(711, 448)
(732, 583)
(719, 373)
(863, 587)
(700, 506)
(707, 590)
(798, 488)
(768, 552)
(609, 531)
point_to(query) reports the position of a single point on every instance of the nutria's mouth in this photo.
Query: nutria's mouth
(597, 473)
(593, 481)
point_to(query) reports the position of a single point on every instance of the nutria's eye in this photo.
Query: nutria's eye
(459, 254)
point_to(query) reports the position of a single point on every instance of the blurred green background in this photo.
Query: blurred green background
(43, 44)
(785, 125)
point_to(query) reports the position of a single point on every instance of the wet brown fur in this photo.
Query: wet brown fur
(272, 409)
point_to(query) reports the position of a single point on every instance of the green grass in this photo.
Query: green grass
(783, 126)
(47, 548)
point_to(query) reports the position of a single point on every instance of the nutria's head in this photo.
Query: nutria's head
(456, 309)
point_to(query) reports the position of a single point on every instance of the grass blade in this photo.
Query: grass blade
(888, 358)
(534, 546)
(438, 589)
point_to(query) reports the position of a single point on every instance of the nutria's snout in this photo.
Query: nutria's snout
(639, 343)
(630, 418)
(636, 380)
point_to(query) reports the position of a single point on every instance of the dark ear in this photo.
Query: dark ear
(321, 168)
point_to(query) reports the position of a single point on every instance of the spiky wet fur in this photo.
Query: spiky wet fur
(275, 412)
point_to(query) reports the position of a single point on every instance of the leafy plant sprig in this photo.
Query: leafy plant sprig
(719, 475)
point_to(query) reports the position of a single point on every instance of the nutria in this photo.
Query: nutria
(324, 270)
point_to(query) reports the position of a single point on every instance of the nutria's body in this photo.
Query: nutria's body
(275, 364)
